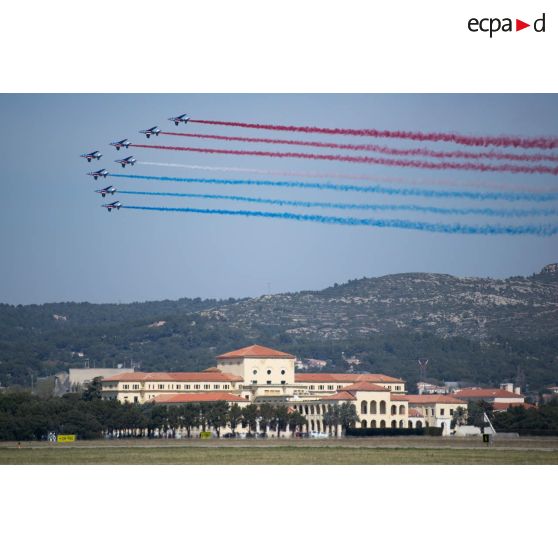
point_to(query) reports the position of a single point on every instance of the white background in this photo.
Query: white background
(287, 46)
(274, 46)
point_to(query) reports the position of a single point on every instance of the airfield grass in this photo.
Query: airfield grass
(286, 455)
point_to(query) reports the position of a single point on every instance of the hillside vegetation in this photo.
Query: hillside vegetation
(474, 329)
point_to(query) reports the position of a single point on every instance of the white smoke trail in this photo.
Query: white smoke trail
(367, 177)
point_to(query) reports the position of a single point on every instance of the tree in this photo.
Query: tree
(296, 421)
(251, 414)
(190, 417)
(459, 417)
(156, 420)
(280, 418)
(204, 415)
(332, 418)
(93, 390)
(266, 415)
(347, 415)
(217, 415)
(476, 411)
(234, 416)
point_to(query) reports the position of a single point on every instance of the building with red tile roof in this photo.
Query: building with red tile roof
(255, 351)
(258, 374)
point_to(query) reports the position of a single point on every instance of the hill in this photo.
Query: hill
(477, 329)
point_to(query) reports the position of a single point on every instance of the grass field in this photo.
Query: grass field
(386, 451)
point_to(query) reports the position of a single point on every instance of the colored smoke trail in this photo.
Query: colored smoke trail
(367, 177)
(538, 230)
(481, 167)
(481, 141)
(376, 189)
(488, 212)
(419, 152)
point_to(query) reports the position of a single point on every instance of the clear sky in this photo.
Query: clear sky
(58, 244)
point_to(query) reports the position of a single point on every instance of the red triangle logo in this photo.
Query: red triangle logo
(519, 25)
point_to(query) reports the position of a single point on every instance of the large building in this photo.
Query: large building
(259, 374)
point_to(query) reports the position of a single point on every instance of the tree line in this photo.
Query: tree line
(27, 417)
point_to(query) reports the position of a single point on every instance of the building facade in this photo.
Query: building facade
(259, 375)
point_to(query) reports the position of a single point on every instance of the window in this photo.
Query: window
(126, 386)
(196, 386)
(282, 372)
(339, 386)
(373, 408)
(161, 386)
(187, 386)
(321, 387)
(135, 386)
(442, 411)
(312, 387)
(382, 409)
(255, 372)
(268, 372)
(254, 381)
(364, 408)
(451, 412)
(401, 409)
(135, 399)
(394, 409)
(215, 386)
(226, 386)
(268, 382)
(283, 382)
(330, 388)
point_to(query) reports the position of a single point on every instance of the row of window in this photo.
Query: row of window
(374, 408)
(321, 387)
(268, 372)
(175, 387)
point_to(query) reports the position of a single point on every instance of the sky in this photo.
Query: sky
(57, 243)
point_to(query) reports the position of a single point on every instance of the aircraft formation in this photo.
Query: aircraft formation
(492, 154)
(130, 160)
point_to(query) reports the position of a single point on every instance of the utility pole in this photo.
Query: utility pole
(423, 364)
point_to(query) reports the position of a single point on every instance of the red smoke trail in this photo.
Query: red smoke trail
(369, 160)
(531, 157)
(481, 141)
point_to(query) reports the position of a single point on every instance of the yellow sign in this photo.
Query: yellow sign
(66, 438)
(205, 434)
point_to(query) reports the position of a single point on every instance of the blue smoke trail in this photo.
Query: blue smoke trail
(488, 212)
(508, 196)
(538, 230)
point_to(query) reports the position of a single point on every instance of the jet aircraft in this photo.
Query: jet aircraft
(127, 161)
(96, 174)
(181, 118)
(155, 131)
(122, 143)
(107, 190)
(93, 155)
(113, 205)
